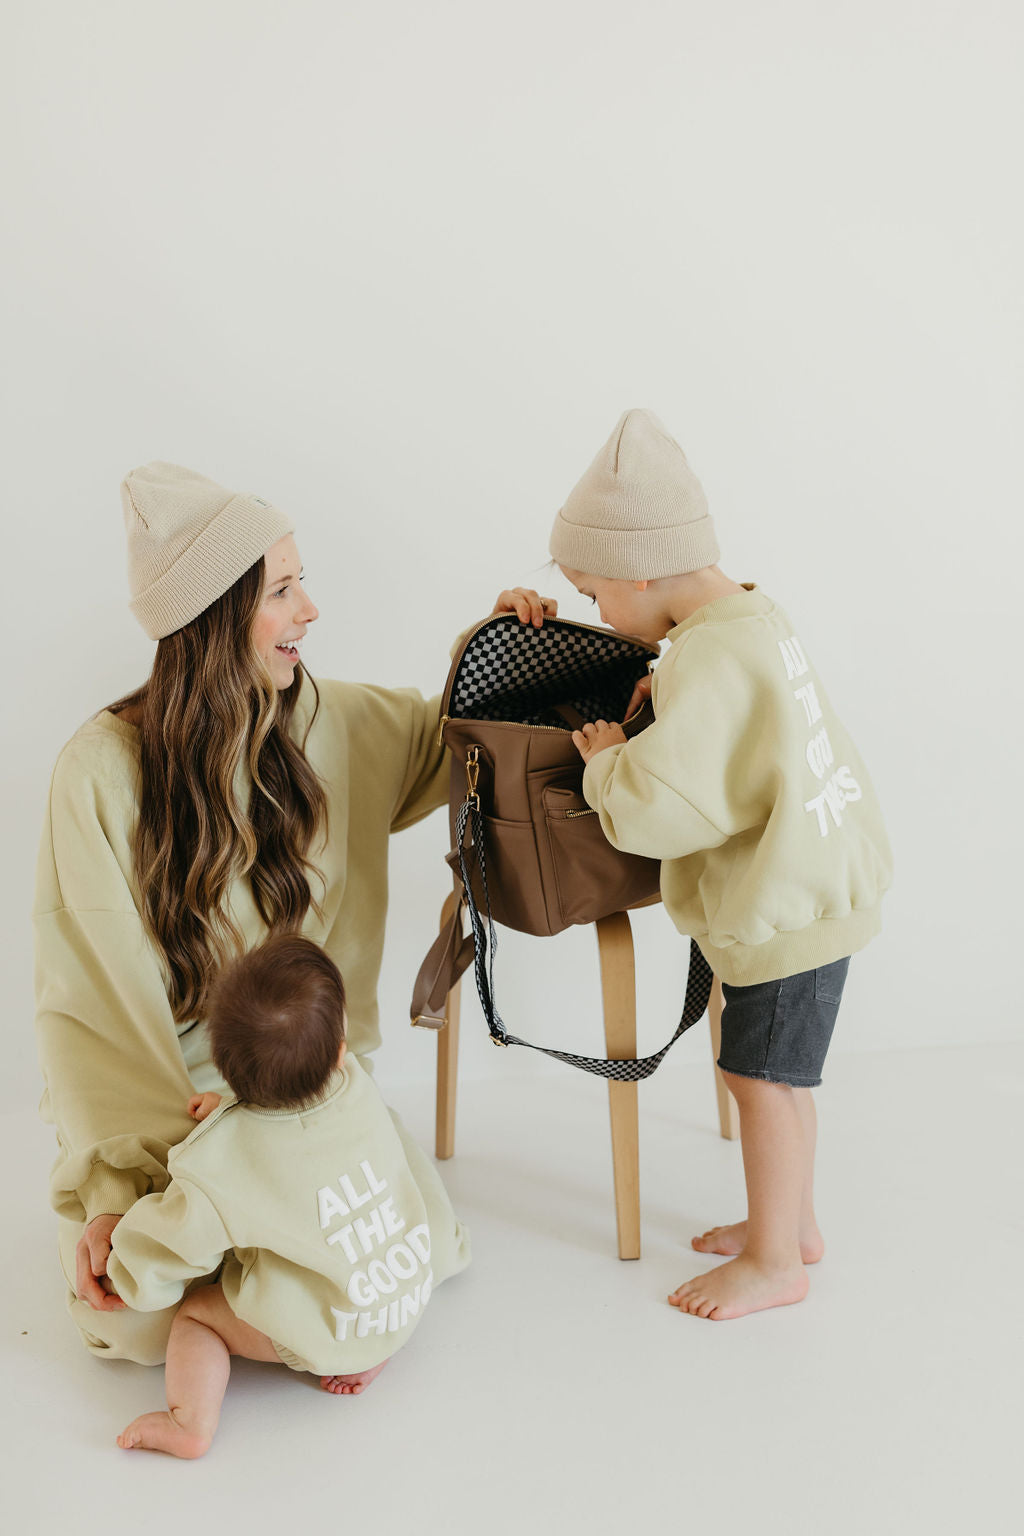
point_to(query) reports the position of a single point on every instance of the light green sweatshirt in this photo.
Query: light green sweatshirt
(336, 1226)
(118, 1070)
(750, 791)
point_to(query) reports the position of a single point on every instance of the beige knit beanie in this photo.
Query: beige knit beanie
(638, 512)
(189, 540)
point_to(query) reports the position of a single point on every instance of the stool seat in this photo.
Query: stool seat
(618, 997)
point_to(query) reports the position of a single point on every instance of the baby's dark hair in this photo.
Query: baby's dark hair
(276, 1022)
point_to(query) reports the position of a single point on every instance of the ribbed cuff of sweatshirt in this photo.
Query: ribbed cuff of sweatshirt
(788, 954)
(110, 1191)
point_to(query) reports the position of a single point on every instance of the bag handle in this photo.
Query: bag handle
(572, 717)
(448, 956)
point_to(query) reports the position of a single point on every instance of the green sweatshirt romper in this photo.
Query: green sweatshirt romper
(336, 1225)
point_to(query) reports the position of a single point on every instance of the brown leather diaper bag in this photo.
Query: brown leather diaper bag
(527, 849)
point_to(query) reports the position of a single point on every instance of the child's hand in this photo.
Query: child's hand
(594, 738)
(527, 604)
(202, 1104)
(641, 693)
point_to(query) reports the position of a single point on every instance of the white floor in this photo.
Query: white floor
(550, 1389)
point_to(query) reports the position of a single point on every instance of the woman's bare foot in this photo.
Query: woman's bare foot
(162, 1432)
(739, 1287)
(345, 1385)
(731, 1240)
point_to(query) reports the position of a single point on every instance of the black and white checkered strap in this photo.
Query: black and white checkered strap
(470, 844)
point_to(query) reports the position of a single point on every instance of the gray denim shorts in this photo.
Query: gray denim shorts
(779, 1031)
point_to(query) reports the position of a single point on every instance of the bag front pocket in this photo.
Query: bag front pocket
(592, 879)
(513, 879)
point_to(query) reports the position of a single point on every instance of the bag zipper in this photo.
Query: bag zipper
(518, 724)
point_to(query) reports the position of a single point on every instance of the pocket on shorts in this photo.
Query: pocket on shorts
(829, 981)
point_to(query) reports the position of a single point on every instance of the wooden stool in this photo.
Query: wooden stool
(618, 994)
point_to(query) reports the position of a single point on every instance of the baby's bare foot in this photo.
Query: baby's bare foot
(731, 1240)
(739, 1287)
(162, 1432)
(344, 1385)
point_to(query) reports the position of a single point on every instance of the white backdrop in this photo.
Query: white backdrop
(399, 268)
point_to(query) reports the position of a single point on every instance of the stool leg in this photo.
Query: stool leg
(447, 1062)
(728, 1110)
(618, 992)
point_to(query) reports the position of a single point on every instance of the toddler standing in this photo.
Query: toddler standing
(751, 793)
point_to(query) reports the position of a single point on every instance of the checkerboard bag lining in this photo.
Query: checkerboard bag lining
(514, 672)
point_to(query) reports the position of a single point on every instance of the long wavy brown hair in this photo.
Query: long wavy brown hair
(208, 709)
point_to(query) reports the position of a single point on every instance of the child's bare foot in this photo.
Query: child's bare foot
(732, 1240)
(351, 1384)
(162, 1432)
(739, 1287)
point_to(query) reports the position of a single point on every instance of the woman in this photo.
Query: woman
(228, 796)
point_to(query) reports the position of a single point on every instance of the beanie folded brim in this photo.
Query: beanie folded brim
(641, 554)
(237, 537)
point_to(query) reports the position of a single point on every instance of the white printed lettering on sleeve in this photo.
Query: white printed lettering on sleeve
(819, 753)
(841, 789)
(793, 655)
(809, 699)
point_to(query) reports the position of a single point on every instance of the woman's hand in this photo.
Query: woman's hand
(596, 737)
(91, 1257)
(528, 605)
(641, 693)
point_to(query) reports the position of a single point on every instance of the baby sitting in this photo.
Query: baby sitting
(328, 1225)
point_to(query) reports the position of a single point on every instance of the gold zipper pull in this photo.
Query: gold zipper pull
(440, 730)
